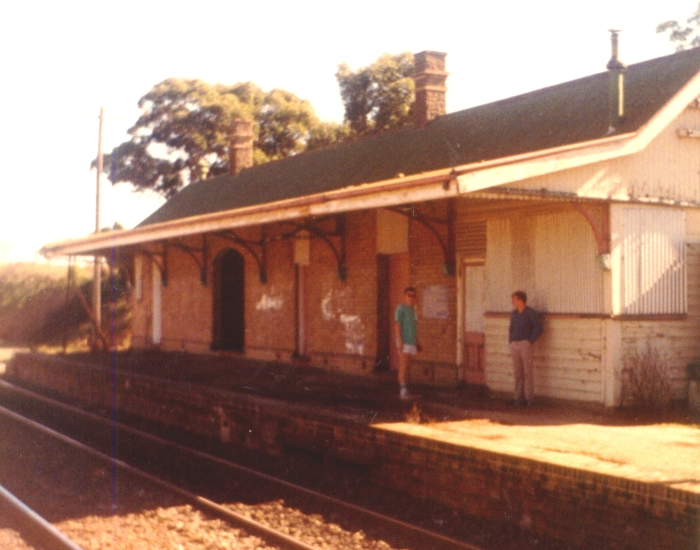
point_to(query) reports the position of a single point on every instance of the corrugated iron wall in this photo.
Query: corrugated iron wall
(652, 271)
(568, 276)
(552, 257)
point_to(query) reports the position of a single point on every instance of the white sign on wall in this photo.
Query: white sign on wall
(436, 302)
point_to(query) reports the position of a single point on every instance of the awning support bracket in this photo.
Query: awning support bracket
(600, 226)
(191, 252)
(159, 259)
(430, 222)
(325, 236)
(260, 256)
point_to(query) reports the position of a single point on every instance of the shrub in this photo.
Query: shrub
(645, 379)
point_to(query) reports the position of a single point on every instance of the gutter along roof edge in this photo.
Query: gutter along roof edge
(174, 228)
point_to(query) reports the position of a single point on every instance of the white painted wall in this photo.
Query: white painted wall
(551, 256)
(568, 358)
(157, 304)
(648, 260)
(668, 169)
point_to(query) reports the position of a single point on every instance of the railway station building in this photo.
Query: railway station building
(586, 195)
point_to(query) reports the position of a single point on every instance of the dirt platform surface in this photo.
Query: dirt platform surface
(666, 453)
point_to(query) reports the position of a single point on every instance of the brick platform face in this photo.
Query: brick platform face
(589, 509)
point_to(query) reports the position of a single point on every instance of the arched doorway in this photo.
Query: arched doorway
(229, 301)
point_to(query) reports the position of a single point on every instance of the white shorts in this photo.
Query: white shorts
(410, 349)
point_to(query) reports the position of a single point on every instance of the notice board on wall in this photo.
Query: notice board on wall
(436, 302)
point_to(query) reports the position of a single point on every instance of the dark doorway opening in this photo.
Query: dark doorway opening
(229, 301)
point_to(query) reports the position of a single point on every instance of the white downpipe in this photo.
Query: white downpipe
(157, 303)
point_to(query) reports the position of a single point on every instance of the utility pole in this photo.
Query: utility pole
(97, 276)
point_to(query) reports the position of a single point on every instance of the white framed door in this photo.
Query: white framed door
(473, 322)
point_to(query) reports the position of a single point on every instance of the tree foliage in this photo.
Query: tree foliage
(380, 96)
(687, 36)
(183, 132)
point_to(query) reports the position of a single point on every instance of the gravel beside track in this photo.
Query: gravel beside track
(320, 526)
(11, 539)
(81, 497)
(99, 506)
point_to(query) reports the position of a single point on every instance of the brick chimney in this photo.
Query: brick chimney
(430, 78)
(240, 154)
(616, 79)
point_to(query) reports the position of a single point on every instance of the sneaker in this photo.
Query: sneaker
(403, 394)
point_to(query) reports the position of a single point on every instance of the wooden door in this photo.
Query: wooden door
(473, 323)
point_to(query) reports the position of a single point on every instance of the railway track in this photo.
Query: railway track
(39, 531)
(241, 496)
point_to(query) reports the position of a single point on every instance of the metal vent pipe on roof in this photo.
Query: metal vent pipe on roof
(616, 91)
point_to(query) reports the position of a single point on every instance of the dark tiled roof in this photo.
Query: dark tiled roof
(564, 114)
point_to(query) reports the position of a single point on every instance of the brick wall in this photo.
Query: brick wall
(436, 364)
(270, 307)
(593, 510)
(341, 315)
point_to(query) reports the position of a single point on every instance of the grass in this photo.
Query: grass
(36, 310)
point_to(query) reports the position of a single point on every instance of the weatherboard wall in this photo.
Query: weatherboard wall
(668, 169)
(568, 357)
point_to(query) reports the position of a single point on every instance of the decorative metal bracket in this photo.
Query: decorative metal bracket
(447, 245)
(600, 227)
(601, 231)
(160, 259)
(260, 256)
(325, 236)
(191, 252)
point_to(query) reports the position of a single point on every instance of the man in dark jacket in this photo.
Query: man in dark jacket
(525, 328)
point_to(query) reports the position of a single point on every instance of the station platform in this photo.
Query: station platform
(600, 478)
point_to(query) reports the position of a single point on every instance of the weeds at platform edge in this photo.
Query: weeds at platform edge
(414, 415)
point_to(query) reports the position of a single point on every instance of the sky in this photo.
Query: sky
(62, 61)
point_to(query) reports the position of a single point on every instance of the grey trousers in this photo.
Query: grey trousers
(523, 370)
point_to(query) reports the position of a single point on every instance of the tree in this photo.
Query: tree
(683, 36)
(183, 132)
(380, 96)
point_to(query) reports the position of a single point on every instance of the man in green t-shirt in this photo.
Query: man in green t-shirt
(406, 337)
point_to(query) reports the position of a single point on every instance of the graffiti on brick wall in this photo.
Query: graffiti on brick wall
(332, 307)
(333, 301)
(271, 301)
(354, 334)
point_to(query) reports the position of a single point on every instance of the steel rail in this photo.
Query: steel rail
(37, 527)
(406, 527)
(270, 535)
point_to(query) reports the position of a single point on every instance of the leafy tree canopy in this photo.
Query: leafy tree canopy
(183, 132)
(687, 36)
(380, 96)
